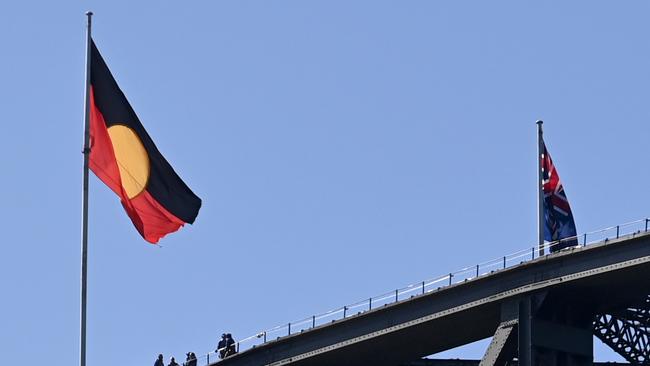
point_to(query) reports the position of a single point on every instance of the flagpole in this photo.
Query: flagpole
(84, 205)
(540, 189)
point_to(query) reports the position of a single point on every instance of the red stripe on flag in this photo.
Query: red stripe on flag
(102, 156)
(149, 217)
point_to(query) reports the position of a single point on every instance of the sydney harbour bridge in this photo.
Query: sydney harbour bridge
(538, 310)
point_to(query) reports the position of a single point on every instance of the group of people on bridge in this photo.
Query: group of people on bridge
(226, 347)
(189, 361)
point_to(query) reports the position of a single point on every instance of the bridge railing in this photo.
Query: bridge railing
(424, 287)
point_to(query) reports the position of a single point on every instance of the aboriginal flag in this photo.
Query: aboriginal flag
(124, 157)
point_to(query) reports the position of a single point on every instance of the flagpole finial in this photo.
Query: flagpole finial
(89, 13)
(539, 122)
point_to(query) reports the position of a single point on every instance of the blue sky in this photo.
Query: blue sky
(341, 149)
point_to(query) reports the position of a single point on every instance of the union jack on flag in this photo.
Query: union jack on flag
(558, 219)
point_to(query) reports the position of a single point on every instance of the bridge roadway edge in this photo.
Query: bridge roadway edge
(461, 313)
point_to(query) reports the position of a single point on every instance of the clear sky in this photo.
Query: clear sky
(341, 149)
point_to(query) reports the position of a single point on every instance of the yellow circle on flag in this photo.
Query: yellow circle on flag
(132, 159)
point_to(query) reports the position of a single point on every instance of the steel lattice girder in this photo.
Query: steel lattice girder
(627, 332)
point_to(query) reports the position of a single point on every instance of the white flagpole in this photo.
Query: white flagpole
(84, 205)
(540, 189)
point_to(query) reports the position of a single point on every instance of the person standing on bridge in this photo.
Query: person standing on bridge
(222, 346)
(159, 361)
(190, 360)
(230, 345)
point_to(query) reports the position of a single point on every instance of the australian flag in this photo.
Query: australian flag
(558, 219)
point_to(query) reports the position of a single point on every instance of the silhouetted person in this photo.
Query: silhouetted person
(190, 360)
(172, 362)
(221, 346)
(230, 345)
(159, 361)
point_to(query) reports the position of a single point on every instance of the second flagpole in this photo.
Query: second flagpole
(84, 205)
(540, 189)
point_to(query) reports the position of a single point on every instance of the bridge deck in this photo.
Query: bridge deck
(600, 277)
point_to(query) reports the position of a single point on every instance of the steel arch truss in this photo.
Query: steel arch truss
(627, 332)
